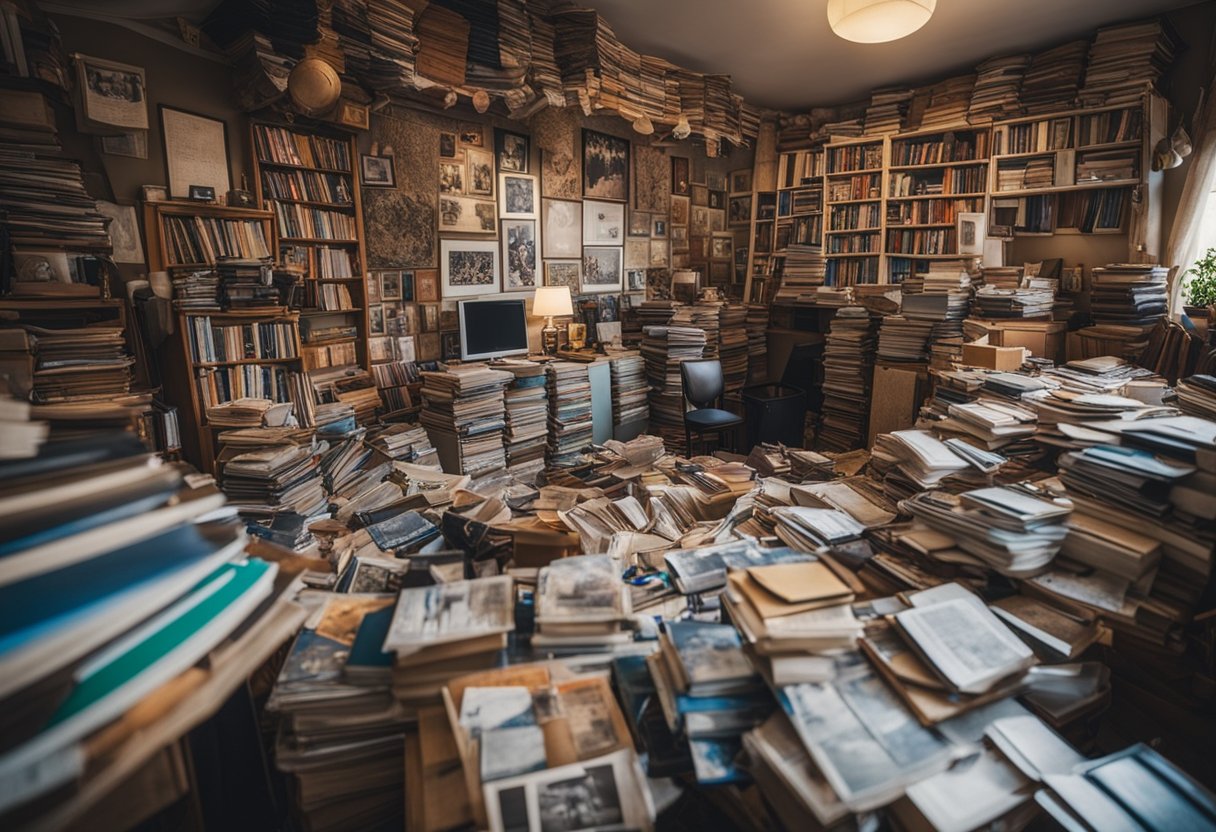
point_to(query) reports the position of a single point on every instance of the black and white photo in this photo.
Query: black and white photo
(562, 226)
(512, 151)
(467, 215)
(518, 194)
(451, 177)
(479, 178)
(468, 267)
(602, 269)
(519, 255)
(377, 171)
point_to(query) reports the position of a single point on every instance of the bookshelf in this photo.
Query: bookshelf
(853, 233)
(763, 263)
(799, 199)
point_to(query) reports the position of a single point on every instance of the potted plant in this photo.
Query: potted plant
(1199, 286)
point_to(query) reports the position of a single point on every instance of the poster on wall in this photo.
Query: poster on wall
(111, 95)
(519, 255)
(468, 267)
(603, 223)
(196, 151)
(605, 166)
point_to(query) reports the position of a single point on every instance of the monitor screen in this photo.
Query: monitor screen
(492, 328)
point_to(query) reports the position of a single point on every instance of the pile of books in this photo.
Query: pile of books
(732, 347)
(197, 291)
(663, 348)
(629, 389)
(77, 366)
(527, 412)
(1002, 277)
(997, 83)
(408, 443)
(848, 363)
(349, 384)
(582, 605)
(1128, 294)
(268, 471)
(464, 413)
(805, 267)
(570, 424)
(1127, 60)
(948, 102)
(247, 284)
(991, 302)
(1051, 80)
(703, 315)
(757, 341)
(904, 339)
(887, 110)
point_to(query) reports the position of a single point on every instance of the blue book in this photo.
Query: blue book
(367, 654)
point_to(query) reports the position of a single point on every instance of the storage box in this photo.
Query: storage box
(1044, 339)
(898, 392)
(993, 357)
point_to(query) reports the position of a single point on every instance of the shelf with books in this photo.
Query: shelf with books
(192, 235)
(854, 183)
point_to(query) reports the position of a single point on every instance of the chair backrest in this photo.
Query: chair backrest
(702, 381)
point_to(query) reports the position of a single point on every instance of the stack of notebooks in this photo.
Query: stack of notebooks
(527, 419)
(268, 471)
(570, 425)
(847, 374)
(997, 83)
(463, 411)
(581, 605)
(78, 366)
(629, 388)
(663, 348)
(1128, 294)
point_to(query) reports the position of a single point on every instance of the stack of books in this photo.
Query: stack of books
(887, 110)
(464, 413)
(732, 347)
(1051, 80)
(805, 270)
(570, 424)
(197, 291)
(247, 284)
(757, 341)
(581, 605)
(1127, 60)
(948, 102)
(266, 471)
(408, 443)
(663, 348)
(527, 411)
(1002, 277)
(997, 83)
(903, 339)
(1128, 294)
(73, 367)
(629, 388)
(1197, 396)
(703, 315)
(991, 302)
(847, 375)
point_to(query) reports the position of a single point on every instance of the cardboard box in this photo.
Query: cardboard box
(898, 392)
(1044, 339)
(993, 357)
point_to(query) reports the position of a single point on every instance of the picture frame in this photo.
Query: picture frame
(153, 193)
(660, 254)
(353, 114)
(659, 228)
(972, 230)
(700, 196)
(111, 94)
(450, 345)
(720, 272)
(196, 151)
(471, 135)
(201, 193)
(637, 253)
(451, 176)
(562, 227)
(680, 207)
(519, 256)
(124, 232)
(699, 225)
(447, 145)
(518, 194)
(407, 286)
(467, 215)
(739, 210)
(426, 285)
(717, 219)
(602, 269)
(605, 166)
(741, 181)
(720, 246)
(681, 176)
(639, 224)
(377, 171)
(679, 237)
(479, 175)
(715, 180)
(468, 267)
(372, 287)
(512, 150)
(375, 319)
(603, 223)
(133, 145)
(635, 280)
(564, 273)
(390, 286)
(717, 199)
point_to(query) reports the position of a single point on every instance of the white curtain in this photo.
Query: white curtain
(1184, 240)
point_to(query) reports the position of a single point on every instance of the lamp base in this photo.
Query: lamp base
(548, 337)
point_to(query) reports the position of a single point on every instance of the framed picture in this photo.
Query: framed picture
(375, 319)
(679, 210)
(717, 219)
(602, 270)
(971, 233)
(390, 286)
(512, 151)
(681, 177)
(699, 227)
(447, 145)
(679, 238)
(715, 180)
(562, 224)
(428, 347)
(719, 272)
(717, 199)
(700, 196)
(430, 317)
(196, 151)
(373, 282)
(201, 193)
(720, 246)
(426, 285)
(111, 94)
(605, 166)
(153, 193)
(518, 193)
(603, 223)
(659, 229)
(739, 210)
(468, 267)
(377, 171)
(660, 253)
(133, 145)
(741, 181)
(124, 232)
(450, 345)
(519, 273)
(635, 280)
(466, 215)
(407, 287)
(472, 135)
(451, 177)
(637, 253)
(564, 273)
(639, 224)
(479, 177)
(353, 114)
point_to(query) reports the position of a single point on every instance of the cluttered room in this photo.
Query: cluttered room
(683, 416)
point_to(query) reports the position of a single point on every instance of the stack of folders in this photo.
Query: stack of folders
(629, 389)
(465, 405)
(527, 415)
(806, 529)
(442, 631)
(340, 730)
(1197, 396)
(80, 366)
(581, 604)
(265, 471)
(710, 694)
(570, 424)
(116, 581)
(847, 361)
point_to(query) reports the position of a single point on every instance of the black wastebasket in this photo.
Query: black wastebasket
(777, 412)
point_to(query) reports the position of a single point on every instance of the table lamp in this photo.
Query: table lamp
(551, 301)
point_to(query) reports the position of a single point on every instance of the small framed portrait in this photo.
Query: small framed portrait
(720, 246)
(479, 178)
(377, 171)
(741, 181)
(201, 193)
(426, 285)
(375, 319)
(451, 177)
(519, 258)
(447, 145)
(659, 228)
(512, 150)
(518, 194)
(451, 345)
(353, 114)
(373, 282)
(972, 231)
(605, 166)
(635, 280)
(472, 135)
(681, 176)
(390, 286)
(717, 199)
(639, 224)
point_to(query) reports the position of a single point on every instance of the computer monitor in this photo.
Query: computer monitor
(492, 329)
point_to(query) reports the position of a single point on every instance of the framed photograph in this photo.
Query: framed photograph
(111, 94)
(741, 181)
(605, 166)
(479, 177)
(202, 193)
(637, 253)
(681, 177)
(377, 171)
(466, 215)
(519, 273)
(715, 180)
(699, 226)
(518, 194)
(972, 231)
(562, 225)
(635, 280)
(124, 232)
(639, 224)
(564, 273)
(450, 345)
(739, 210)
(720, 246)
(719, 272)
(472, 135)
(679, 238)
(468, 267)
(512, 151)
(603, 223)
(373, 281)
(660, 253)
(428, 346)
(353, 114)
(717, 199)
(375, 319)
(196, 151)
(451, 177)
(717, 219)
(447, 145)
(390, 286)
(602, 271)
(679, 210)
(426, 285)
(659, 228)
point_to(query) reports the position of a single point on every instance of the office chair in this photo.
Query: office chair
(703, 385)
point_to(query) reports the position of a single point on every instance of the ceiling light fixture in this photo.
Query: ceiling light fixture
(878, 21)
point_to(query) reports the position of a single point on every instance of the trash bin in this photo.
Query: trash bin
(777, 412)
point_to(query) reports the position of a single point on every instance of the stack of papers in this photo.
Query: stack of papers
(464, 407)
(848, 361)
(569, 389)
(581, 602)
(527, 414)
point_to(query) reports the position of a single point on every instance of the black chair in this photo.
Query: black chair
(703, 386)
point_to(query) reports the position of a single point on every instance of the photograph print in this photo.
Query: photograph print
(639, 224)
(591, 801)
(518, 193)
(447, 145)
(377, 171)
(390, 285)
(479, 176)
(519, 255)
(603, 223)
(562, 224)
(512, 151)
(471, 135)
(465, 215)
(468, 267)
(636, 280)
(451, 177)
(564, 273)
(605, 166)
(602, 270)
(739, 210)
(680, 206)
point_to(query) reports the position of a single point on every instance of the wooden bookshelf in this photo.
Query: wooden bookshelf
(855, 180)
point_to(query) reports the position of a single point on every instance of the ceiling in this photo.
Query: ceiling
(782, 54)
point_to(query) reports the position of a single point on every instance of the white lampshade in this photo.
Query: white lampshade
(878, 21)
(552, 300)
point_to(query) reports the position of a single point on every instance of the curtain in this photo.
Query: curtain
(1184, 240)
